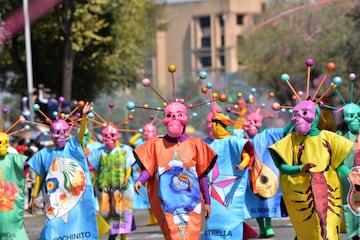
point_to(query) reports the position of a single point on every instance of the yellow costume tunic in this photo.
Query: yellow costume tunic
(313, 199)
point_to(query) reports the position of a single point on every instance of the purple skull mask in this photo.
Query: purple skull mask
(110, 135)
(303, 116)
(253, 123)
(150, 131)
(59, 132)
(175, 119)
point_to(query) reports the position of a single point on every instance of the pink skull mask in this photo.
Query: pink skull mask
(59, 132)
(150, 131)
(303, 116)
(214, 109)
(175, 119)
(109, 136)
(253, 123)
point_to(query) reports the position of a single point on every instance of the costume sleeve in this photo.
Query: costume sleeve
(344, 170)
(145, 156)
(38, 182)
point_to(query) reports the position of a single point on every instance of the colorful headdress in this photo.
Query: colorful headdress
(307, 110)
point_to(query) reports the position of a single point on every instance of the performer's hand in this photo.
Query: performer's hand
(87, 107)
(207, 211)
(354, 177)
(126, 181)
(137, 187)
(239, 167)
(307, 167)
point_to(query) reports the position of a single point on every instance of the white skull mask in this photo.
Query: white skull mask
(175, 119)
(4, 144)
(352, 117)
(110, 135)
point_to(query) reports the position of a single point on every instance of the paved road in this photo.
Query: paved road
(282, 227)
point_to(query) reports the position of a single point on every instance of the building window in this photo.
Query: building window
(204, 22)
(222, 41)
(240, 19)
(205, 61)
(222, 61)
(221, 20)
(205, 42)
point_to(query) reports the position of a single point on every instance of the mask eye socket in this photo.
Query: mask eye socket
(168, 115)
(305, 113)
(180, 115)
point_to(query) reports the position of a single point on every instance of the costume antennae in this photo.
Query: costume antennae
(285, 78)
(202, 75)
(309, 62)
(330, 66)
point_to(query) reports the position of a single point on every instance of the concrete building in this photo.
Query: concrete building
(202, 35)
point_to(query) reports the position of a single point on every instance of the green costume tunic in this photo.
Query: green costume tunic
(304, 192)
(12, 191)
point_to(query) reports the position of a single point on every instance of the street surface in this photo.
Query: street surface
(282, 227)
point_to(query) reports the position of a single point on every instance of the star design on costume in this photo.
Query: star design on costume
(220, 184)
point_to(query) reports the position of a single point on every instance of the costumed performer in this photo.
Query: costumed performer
(12, 188)
(112, 162)
(64, 178)
(308, 160)
(228, 178)
(350, 192)
(175, 167)
(141, 201)
(263, 195)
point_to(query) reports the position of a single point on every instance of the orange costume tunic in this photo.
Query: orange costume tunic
(173, 187)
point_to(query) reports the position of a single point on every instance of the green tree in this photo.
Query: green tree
(84, 47)
(288, 33)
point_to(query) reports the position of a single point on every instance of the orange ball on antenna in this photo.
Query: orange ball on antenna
(223, 97)
(81, 103)
(131, 117)
(330, 66)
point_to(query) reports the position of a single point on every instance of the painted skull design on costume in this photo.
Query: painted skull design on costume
(175, 119)
(303, 116)
(59, 132)
(352, 117)
(4, 144)
(253, 123)
(110, 135)
(150, 131)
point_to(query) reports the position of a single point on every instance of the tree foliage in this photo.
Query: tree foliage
(103, 43)
(290, 32)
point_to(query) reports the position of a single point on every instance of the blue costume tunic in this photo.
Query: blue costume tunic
(227, 190)
(67, 191)
(255, 205)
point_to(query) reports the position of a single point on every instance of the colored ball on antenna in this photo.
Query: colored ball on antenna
(209, 85)
(111, 105)
(239, 95)
(275, 106)
(203, 74)
(61, 99)
(271, 94)
(48, 121)
(285, 77)
(126, 123)
(283, 110)
(204, 90)
(90, 115)
(5, 110)
(293, 97)
(337, 80)
(55, 113)
(36, 107)
(228, 109)
(171, 68)
(309, 62)
(291, 111)
(194, 114)
(165, 104)
(78, 115)
(146, 105)
(81, 103)
(62, 115)
(301, 93)
(330, 66)
(130, 105)
(190, 105)
(151, 117)
(131, 117)
(352, 76)
(262, 105)
(27, 127)
(271, 116)
(223, 97)
(253, 90)
(146, 82)
(214, 95)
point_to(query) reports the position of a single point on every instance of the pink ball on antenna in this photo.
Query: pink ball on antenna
(111, 105)
(61, 99)
(146, 82)
(352, 76)
(275, 106)
(5, 110)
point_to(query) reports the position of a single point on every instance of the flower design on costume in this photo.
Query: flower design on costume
(9, 191)
(63, 197)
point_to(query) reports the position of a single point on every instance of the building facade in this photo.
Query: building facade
(202, 35)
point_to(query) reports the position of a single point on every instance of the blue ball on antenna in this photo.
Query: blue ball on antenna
(203, 74)
(337, 80)
(130, 105)
(285, 77)
(209, 85)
